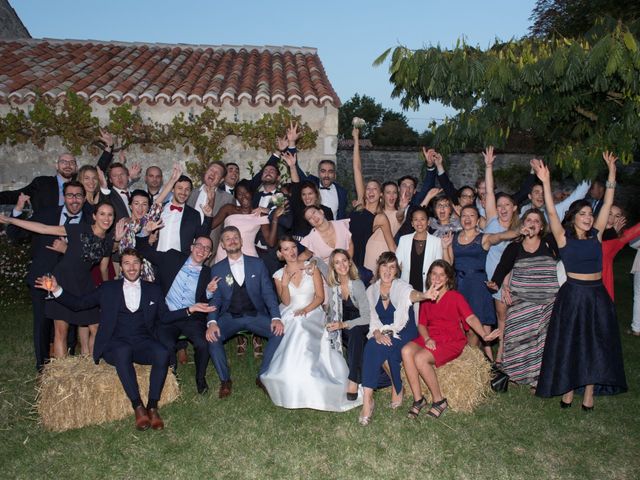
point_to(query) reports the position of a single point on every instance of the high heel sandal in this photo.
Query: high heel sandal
(418, 405)
(398, 403)
(564, 404)
(365, 420)
(439, 407)
(587, 409)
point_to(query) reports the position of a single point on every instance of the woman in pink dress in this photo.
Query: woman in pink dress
(248, 220)
(326, 235)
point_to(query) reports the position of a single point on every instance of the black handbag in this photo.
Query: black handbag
(499, 381)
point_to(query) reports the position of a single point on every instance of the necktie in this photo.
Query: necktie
(126, 194)
(68, 218)
(325, 188)
(231, 190)
(175, 207)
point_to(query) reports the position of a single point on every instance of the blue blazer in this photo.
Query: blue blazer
(258, 283)
(342, 193)
(109, 298)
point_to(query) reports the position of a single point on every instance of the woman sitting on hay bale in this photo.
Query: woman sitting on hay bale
(444, 317)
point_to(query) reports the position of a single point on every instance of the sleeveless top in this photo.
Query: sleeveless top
(582, 256)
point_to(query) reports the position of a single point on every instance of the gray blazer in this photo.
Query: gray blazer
(222, 198)
(357, 292)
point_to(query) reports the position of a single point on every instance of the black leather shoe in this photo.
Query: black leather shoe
(564, 404)
(352, 397)
(261, 386)
(202, 387)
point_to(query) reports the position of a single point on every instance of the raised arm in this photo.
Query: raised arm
(35, 227)
(490, 199)
(542, 172)
(291, 160)
(166, 189)
(357, 166)
(444, 180)
(601, 222)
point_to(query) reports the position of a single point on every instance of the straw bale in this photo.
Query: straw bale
(74, 392)
(465, 381)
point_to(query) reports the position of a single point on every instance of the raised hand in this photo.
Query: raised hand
(176, 171)
(541, 170)
(619, 224)
(447, 240)
(438, 160)
(151, 226)
(213, 284)
(293, 134)
(23, 199)
(428, 157)
(102, 179)
(610, 160)
(290, 159)
(433, 293)
(59, 245)
(135, 171)
(405, 199)
(121, 229)
(432, 193)
(282, 143)
(106, 138)
(489, 156)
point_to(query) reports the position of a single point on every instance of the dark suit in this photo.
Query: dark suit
(42, 261)
(263, 297)
(222, 198)
(168, 265)
(119, 206)
(116, 348)
(342, 193)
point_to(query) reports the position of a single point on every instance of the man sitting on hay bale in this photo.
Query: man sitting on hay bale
(130, 311)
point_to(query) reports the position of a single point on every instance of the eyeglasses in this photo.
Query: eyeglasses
(200, 246)
(467, 195)
(67, 162)
(79, 196)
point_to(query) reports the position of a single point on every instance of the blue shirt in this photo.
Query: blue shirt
(61, 182)
(63, 217)
(182, 293)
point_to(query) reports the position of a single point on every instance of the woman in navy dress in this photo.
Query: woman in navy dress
(391, 326)
(469, 252)
(582, 349)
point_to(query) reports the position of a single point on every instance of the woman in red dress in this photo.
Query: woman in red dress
(444, 318)
(614, 238)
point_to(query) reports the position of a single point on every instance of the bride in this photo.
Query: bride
(308, 369)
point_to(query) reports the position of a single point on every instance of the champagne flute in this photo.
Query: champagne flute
(48, 285)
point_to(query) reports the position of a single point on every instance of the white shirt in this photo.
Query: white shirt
(201, 200)
(329, 198)
(132, 293)
(237, 269)
(169, 236)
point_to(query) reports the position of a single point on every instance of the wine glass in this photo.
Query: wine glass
(48, 285)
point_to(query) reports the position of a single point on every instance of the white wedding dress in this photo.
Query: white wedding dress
(307, 370)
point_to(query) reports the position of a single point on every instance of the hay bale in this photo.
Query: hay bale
(75, 392)
(464, 381)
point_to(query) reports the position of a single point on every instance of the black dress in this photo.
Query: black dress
(73, 272)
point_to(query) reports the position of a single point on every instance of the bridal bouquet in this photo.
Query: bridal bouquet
(358, 123)
(277, 199)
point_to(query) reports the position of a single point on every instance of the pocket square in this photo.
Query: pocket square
(152, 302)
(253, 276)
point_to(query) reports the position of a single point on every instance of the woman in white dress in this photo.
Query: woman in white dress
(308, 369)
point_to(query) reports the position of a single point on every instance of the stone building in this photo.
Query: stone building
(161, 81)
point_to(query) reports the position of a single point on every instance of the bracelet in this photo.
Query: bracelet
(609, 184)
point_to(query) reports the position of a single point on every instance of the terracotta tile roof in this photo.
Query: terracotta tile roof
(134, 72)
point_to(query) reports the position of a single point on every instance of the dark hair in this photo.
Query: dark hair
(73, 183)
(132, 252)
(333, 164)
(385, 185)
(215, 162)
(244, 183)
(466, 187)
(569, 218)
(140, 193)
(184, 178)
(312, 186)
(202, 236)
(116, 165)
(448, 271)
(383, 259)
(231, 163)
(536, 183)
(286, 238)
(543, 220)
(431, 208)
(408, 177)
(470, 207)
(421, 210)
(309, 207)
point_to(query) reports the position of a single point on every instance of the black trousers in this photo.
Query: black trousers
(42, 327)
(122, 354)
(194, 330)
(355, 339)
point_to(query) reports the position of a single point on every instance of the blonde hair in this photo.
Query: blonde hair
(332, 278)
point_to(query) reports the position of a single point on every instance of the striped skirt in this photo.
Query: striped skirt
(534, 285)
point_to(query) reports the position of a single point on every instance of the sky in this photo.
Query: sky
(349, 34)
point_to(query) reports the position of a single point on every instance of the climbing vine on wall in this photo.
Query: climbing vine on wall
(201, 135)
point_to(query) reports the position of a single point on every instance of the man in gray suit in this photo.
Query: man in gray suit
(211, 179)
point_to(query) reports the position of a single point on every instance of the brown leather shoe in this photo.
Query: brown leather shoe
(225, 389)
(182, 356)
(154, 418)
(142, 418)
(257, 347)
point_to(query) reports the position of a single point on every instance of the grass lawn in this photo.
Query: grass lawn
(514, 435)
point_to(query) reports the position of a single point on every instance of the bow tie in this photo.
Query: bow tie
(266, 194)
(69, 218)
(125, 193)
(324, 188)
(175, 207)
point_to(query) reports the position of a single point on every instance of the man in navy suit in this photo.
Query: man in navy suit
(46, 251)
(244, 300)
(130, 312)
(184, 279)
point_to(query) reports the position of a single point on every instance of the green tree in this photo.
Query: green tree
(364, 107)
(394, 130)
(575, 97)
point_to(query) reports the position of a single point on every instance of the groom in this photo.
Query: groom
(244, 300)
